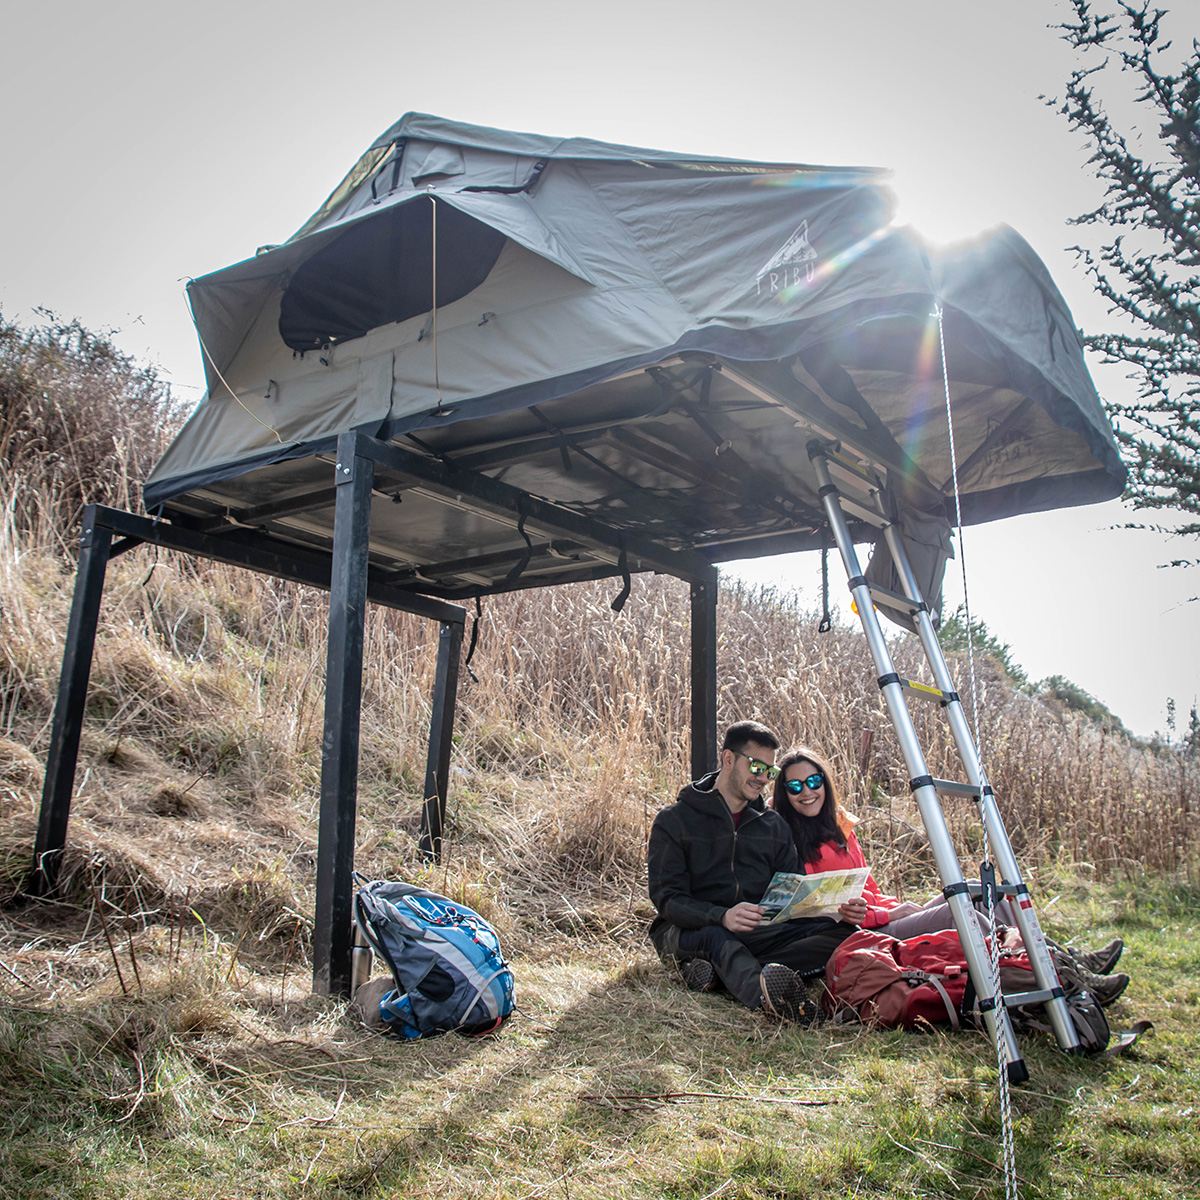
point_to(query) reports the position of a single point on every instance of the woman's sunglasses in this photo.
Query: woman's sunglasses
(796, 786)
(758, 767)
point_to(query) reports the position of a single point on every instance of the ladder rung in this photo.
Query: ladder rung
(1018, 998)
(1002, 889)
(862, 512)
(927, 692)
(892, 599)
(958, 789)
(848, 467)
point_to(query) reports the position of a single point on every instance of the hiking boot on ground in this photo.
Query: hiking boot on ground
(1101, 960)
(1107, 988)
(1075, 977)
(785, 997)
(699, 975)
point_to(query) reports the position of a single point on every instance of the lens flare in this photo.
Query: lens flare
(820, 272)
(926, 381)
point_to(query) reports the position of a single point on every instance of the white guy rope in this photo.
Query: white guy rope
(1006, 1128)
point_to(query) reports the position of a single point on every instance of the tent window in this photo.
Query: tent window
(380, 271)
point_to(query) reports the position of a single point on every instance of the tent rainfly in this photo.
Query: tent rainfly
(642, 342)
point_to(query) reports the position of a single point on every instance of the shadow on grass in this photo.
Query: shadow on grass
(608, 1074)
(630, 1068)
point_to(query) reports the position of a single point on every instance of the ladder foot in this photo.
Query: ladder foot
(1018, 1072)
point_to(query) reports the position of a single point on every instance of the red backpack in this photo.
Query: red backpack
(885, 982)
(881, 981)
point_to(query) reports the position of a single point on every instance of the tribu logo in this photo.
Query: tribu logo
(795, 258)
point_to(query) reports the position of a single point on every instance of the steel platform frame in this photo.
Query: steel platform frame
(345, 573)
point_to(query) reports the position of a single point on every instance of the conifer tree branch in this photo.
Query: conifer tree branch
(1149, 272)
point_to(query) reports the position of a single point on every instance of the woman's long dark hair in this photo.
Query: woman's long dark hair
(810, 833)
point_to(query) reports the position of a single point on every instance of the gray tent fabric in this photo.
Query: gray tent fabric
(927, 546)
(465, 287)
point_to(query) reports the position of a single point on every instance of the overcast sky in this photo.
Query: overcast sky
(146, 141)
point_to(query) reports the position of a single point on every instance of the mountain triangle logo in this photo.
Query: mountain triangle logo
(795, 258)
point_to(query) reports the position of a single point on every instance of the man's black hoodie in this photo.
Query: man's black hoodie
(700, 864)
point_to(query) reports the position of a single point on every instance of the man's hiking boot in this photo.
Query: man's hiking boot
(699, 975)
(783, 992)
(785, 997)
(1101, 960)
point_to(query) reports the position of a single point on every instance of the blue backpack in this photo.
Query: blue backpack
(445, 960)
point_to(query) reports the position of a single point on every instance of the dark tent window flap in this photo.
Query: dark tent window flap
(381, 270)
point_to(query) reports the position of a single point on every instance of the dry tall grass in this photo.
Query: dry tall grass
(199, 772)
(198, 777)
(80, 421)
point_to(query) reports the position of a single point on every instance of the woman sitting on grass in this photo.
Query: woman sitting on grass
(806, 797)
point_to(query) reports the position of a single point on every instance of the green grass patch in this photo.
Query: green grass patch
(217, 1081)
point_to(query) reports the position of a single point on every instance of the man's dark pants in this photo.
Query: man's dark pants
(738, 958)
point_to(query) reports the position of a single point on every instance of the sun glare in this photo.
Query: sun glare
(943, 213)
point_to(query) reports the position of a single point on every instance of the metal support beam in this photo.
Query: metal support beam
(441, 730)
(532, 577)
(332, 938)
(274, 510)
(68, 709)
(466, 566)
(486, 495)
(704, 678)
(775, 383)
(268, 556)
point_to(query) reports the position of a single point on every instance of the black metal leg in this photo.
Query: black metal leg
(332, 938)
(68, 709)
(704, 677)
(441, 730)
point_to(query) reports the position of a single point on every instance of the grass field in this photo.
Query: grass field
(156, 1032)
(211, 1079)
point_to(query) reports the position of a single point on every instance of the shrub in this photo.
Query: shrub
(80, 421)
(1070, 695)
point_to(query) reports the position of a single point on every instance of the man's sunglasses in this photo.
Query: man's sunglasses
(758, 767)
(796, 786)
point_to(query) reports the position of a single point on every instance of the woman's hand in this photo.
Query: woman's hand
(742, 918)
(853, 912)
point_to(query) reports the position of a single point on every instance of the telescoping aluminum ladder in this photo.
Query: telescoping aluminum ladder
(865, 502)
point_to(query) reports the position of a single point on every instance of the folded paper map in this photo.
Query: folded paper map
(821, 895)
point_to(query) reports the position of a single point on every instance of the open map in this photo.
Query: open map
(821, 895)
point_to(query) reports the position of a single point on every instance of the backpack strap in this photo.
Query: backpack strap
(936, 980)
(483, 987)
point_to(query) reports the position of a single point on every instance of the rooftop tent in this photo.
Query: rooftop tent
(645, 341)
(495, 360)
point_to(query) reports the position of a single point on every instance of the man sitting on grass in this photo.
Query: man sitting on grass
(712, 854)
